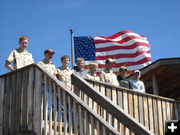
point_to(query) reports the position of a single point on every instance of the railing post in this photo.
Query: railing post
(30, 98)
(38, 102)
(155, 85)
(1, 104)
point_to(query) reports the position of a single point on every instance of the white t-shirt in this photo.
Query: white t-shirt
(137, 85)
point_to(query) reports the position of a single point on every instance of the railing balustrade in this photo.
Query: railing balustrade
(33, 100)
(148, 109)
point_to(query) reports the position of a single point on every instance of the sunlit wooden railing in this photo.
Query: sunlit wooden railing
(148, 109)
(26, 105)
(106, 109)
(29, 98)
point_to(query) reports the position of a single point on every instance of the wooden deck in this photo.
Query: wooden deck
(29, 98)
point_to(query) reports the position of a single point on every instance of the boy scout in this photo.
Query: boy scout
(107, 74)
(122, 77)
(79, 69)
(92, 71)
(46, 63)
(122, 73)
(21, 57)
(64, 73)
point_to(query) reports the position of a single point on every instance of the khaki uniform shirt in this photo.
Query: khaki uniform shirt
(82, 73)
(94, 77)
(64, 75)
(21, 59)
(109, 77)
(50, 67)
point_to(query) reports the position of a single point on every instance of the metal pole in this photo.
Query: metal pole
(71, 31)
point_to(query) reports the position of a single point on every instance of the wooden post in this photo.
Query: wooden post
(1, 104)
(71, 46)
(38, 101)
(155, 85)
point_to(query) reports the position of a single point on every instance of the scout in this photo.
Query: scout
(64, 72)
(92, 71)
(20, 57)
(107, 74)
(46, 63)
(79, 69)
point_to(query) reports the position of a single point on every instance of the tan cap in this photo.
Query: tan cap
(123, 68)
(93, 63)
(49, 51)
(110, 61)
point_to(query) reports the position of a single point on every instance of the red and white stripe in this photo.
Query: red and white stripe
(126, 48)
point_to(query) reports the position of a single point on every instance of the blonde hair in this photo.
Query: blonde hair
(23, 38)
(79, 59)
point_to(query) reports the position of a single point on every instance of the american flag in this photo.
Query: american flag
(126, 48)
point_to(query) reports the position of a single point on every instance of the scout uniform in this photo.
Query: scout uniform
(64, 75)
(123, 81)
(82, 73)
(109, 77)
(94, 77)
(93, 66)
(49, 66)
(20, 58)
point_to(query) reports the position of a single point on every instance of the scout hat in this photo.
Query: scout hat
(93, 63)
(123, 68)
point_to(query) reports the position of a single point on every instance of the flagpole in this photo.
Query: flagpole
(71, 31)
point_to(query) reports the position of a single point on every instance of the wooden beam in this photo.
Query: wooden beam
(169, 61)
(155, 85)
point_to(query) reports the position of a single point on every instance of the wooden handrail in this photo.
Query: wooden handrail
(108, 105)
(150, 110)
(129, 90)
(22, 96)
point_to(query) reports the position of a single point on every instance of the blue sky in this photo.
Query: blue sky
(47, 24)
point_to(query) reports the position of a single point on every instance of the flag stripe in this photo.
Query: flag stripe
(117, 35)
(123, 51)
(122, 55)
(128, 43)
(116, 47)
(124, 59)
(130, 63)
(120, 37)
(118, 41)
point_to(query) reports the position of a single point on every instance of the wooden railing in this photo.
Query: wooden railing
(26, 105)
(106, 109)
(150, 110)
